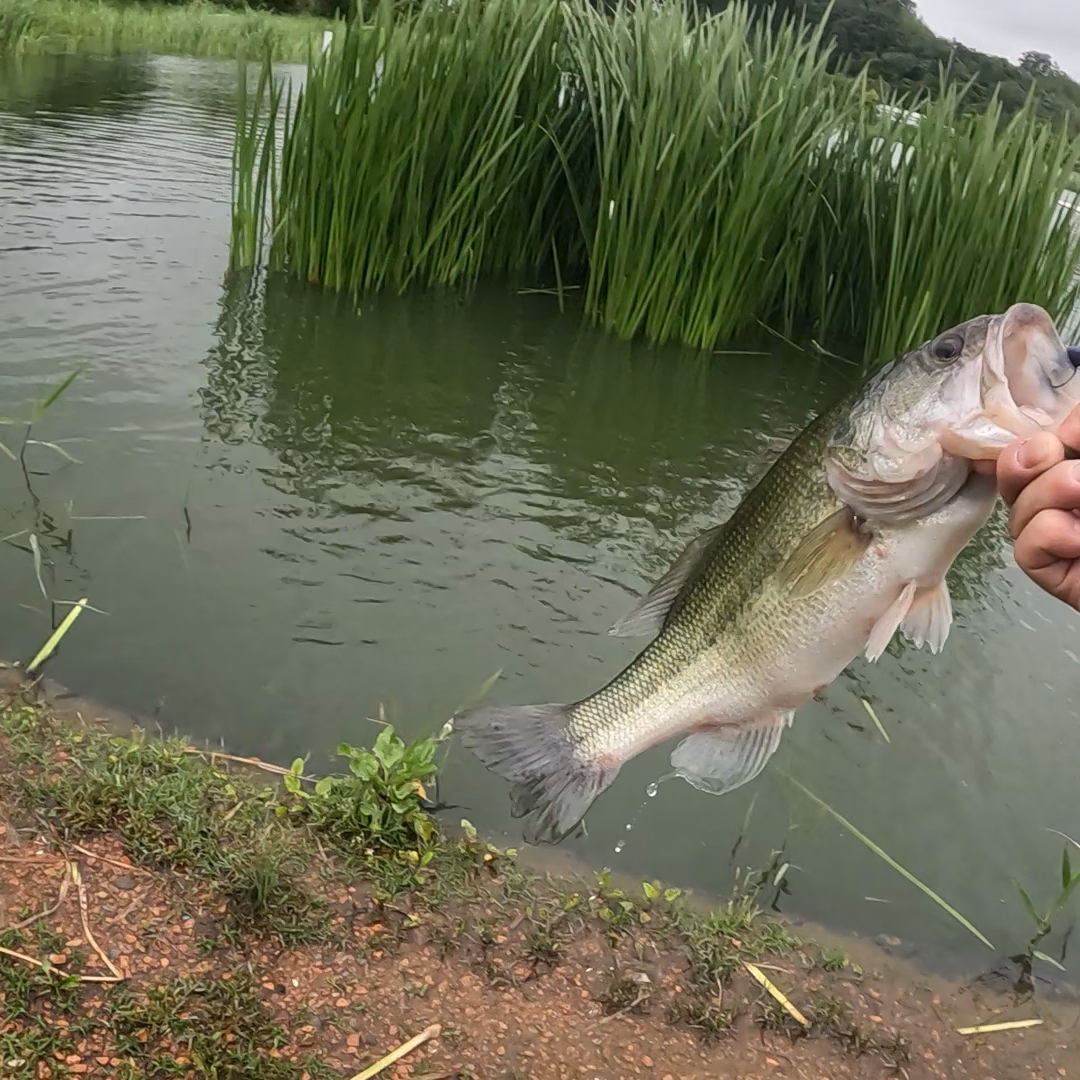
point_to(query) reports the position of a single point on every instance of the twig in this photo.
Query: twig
(49, 647)
(77, 878)
(266, 766)
(762, 978)
(105, 858)
(1005, 1025)
(396, 1055)
(642, 995)
(65, 881)
(49, 967)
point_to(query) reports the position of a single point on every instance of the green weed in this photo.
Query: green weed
(717, 942)
(1043, 918)
(703, 1014)
(201, 29)
(831, 959)
(222, 1027)
(378, 806)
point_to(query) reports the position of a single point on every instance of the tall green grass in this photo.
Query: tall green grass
(419, 150)
(200, 29)
(696, 175)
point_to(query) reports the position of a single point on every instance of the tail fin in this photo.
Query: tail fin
(532, 747)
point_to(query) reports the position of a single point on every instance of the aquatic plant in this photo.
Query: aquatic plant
(919, 228)
(176, 29)
(418, 151)
(696, 174)
(1043, 919)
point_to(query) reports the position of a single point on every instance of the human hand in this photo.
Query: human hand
(1040, 483)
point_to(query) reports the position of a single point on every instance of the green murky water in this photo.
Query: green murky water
(295, 512)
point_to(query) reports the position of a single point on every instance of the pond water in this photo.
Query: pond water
(297, 512)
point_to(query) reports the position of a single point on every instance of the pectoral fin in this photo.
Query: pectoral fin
(826, 553)
(889, 623)
(721, 760)
(647, 616)
(929, 618)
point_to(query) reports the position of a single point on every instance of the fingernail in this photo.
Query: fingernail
(1029, 455)
(1076, 472)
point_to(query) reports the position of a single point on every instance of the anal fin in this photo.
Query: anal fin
(648, 614)
(889, 623)
(929, 618)
(721, 760)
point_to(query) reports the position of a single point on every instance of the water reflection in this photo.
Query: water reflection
(74, 83)
(489, 414)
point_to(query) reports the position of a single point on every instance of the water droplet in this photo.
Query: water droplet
(652, 789)
(619, 846)
(628, 826)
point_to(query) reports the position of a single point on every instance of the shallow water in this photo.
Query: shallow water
(296, 512)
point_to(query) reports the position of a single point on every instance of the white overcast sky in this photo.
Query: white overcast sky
(1010, 27)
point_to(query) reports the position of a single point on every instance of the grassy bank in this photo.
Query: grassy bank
(695, 177)
(201, 29)
(169, 911)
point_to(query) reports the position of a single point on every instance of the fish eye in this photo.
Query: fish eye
(947, 347)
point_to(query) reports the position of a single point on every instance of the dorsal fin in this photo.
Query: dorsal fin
(647, 616)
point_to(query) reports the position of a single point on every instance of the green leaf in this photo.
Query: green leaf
(44, 406)
(1048, 959)
(1070, 888)
(324, 786)
(1028, 905)
(670, 895)
(361, 765)
(1066, 868)
(651, 891)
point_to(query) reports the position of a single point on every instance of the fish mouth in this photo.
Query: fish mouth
(1029, 382)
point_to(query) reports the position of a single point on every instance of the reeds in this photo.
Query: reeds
(696, 175)
(183, 29)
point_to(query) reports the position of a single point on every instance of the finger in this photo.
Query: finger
(1025, 459)
(1056, 489)
(1048, 548)
(1069, 432)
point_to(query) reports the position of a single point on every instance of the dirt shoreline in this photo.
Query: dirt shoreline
(191, 922)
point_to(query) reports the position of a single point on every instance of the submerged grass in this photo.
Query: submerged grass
(695, 174)
(199, 29)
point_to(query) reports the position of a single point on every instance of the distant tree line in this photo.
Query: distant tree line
(904, 53)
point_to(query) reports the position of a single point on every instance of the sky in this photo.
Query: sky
(1010, 27)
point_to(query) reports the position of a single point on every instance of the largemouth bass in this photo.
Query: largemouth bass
(845, 540)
